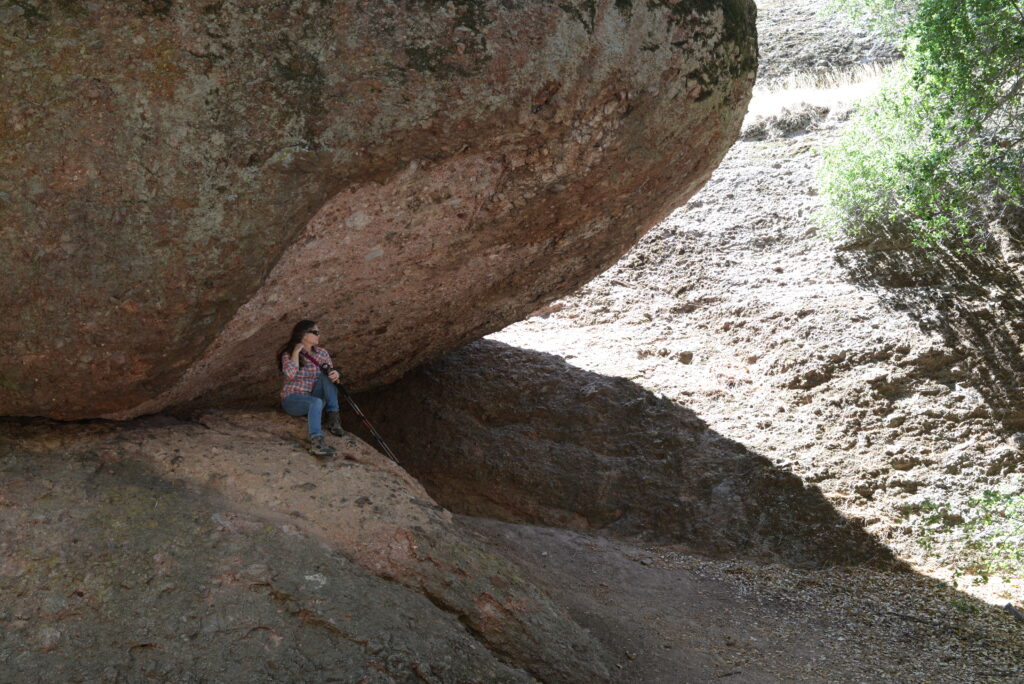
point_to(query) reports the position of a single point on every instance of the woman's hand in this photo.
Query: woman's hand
(333, 375)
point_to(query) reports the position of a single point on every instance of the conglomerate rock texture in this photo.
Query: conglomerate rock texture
(182, 181)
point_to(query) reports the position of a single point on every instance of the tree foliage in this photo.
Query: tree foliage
(943, 142)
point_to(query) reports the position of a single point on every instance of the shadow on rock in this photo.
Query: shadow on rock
(72, 494)
(112, 572)
(973, 301)
(522, 436)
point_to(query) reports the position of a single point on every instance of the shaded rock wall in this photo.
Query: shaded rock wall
(180, 182)
(522, 436)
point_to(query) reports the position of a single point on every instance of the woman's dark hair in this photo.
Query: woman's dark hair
(300, 329)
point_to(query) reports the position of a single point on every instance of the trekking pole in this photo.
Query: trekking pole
(366, 423)
(327, 368)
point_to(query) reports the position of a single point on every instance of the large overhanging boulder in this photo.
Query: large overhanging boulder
(181, 181)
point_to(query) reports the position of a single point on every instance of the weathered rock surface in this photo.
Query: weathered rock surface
(208, 562)
(522, 436)
(223, 551)
(886, 377)
(807, 41)
(180, 182)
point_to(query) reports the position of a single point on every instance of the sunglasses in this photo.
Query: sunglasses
(313, 332)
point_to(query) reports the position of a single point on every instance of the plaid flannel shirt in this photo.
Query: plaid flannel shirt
(299, 379)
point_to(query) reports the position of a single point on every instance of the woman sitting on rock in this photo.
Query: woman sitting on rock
(307, 389)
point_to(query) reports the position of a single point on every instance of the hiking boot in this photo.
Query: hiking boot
(318, 447)
(334, 424)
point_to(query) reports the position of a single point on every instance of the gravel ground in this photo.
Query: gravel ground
(668, 616)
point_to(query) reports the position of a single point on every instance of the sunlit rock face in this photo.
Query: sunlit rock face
(181, 181)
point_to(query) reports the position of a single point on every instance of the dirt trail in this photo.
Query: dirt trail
(669, 617)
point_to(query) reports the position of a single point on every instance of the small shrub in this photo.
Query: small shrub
(984, 538)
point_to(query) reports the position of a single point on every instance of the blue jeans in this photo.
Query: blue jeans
(324, 394)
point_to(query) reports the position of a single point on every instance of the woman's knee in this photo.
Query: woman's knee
(316, 404)
(294, 408)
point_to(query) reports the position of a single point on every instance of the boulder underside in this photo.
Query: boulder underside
(181, 182)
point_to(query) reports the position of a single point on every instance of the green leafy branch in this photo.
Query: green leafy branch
(943, 143)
